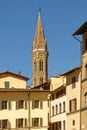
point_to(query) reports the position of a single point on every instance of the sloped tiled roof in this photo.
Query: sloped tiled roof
(8, 73)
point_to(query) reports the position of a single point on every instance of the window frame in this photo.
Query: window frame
(7, 84)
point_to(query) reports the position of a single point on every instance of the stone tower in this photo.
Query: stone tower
(83, 31)
(39, 55)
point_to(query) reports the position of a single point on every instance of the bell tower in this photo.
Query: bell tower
(39, 55)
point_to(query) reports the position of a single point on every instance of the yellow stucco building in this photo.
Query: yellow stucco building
(20, 107)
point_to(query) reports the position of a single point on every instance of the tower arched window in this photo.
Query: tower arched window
(41, 80)
(41, 65)
(35, 66)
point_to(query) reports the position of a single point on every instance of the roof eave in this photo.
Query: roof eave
(81, 30)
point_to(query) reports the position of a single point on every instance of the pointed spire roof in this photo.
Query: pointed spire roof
(39, 36)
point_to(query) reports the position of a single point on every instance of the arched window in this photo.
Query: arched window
(41, 65)
(41, 80)
(56, 109)
(52, 110)
(35, 66)
(60, 108)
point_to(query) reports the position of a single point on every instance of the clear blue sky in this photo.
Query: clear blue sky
(60, 18)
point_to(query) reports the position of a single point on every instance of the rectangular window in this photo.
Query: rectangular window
(52, 126)
(35, 122)
(52, 96)
(63, 106)
(56, 109)
(19, 123)
(37, 104)
(73, 105)
(56, 125)
(4, 105)
(4, 124)
(53, 111)
(59, 125)
(7, 84)
(63, 125)
(20, 104)
(73, 122)
(73, 82)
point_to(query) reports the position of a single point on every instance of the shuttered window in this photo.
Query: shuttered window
(37, 104)
(37, 122)
(73, 105)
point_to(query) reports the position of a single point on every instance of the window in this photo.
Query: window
(73, 82)
(60, 108)
(56, 125)
(4, 124)
(52, 96)
(19, 123)
(59, 125)
(4, 105)
(35, 66)
(52, 126)
(41, 65)
(41, 80)
(56, 109)
(73, 122)
(37, 122)
(63, 125)
(63, 106)
(37, 104)
(86, 99)
(52, 110)
(21, 104)
(86, 70)
(7, 84)
(73, 105)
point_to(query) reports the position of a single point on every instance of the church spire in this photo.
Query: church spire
(39, 35)
(39, 55)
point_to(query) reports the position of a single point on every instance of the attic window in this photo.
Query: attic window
(7, 84)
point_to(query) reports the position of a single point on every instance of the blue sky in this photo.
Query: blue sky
(60, 18)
